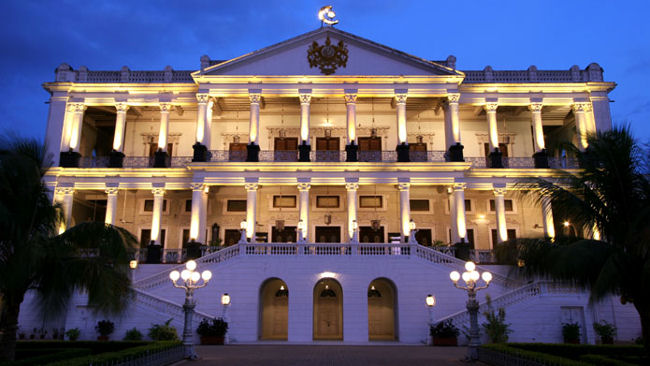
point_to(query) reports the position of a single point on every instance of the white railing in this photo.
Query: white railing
(563, 163)
(167, 307)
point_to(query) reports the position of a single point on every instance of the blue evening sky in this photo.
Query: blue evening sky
(36, 36)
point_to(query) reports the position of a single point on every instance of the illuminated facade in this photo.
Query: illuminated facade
(327, 160)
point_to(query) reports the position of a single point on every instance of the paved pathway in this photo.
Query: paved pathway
(322, 355)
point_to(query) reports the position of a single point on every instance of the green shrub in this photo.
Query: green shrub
(571, 332)
(113, 358)
(73, 334)
(105, 327)
(574, 351)
(543, 358)
(495, 326)
(606, 331)
(133, 335)
(163, 332)
(218, 328)
(599, 360)
(444, 329)
(44, 356)
(94, 346)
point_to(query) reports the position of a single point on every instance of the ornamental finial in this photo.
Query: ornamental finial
(326, 15)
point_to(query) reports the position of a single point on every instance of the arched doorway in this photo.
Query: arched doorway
(274, 309)
(382, 303)
(328, 310)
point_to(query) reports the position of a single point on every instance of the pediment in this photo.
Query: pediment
(364, 57)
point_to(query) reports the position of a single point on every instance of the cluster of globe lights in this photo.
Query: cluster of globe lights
(189, 276)
(471, 275)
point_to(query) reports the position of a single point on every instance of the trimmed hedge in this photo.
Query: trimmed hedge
(44, 356)
(575, 351)
(600, 360)
(94, 346)
(119, 356)
(544, 358)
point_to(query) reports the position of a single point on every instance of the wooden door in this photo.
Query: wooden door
(288, 234)
(237, 151)
(328, 234)
(285, 149)
(327, 149)
(369, 148)
(369, 235)
(418, 151)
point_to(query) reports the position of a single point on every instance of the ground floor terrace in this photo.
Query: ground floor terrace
(174, 218)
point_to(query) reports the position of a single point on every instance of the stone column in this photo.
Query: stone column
(251, 210)
(590, 122)
(69, 157)
(111, 205)
(303, 205)
(352, 188)
(404, 210)
(156, 217)
(351, 148)
(197, 212)
(65, 197)
(547, 217)
(116, 157)
(601, 112)
(161, 156)
(402, 143)
(581, 128)
(459, 212)
(500, 208)
(452, 128)
(540, 156)
(77, 126)
(494, 158)
(304, 148)
(253, 148)
(202, 145)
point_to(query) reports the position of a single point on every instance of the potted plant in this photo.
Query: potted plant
(571, 333)
(73, 334)
(444, 333)
(104, 328)
(212, 332)
(606, 331)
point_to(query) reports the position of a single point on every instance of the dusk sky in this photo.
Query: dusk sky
(148, 35)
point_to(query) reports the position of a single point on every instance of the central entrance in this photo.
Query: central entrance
(274, 310)
(328, 310)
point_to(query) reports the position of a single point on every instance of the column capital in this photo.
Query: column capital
(491, 107)
(587, 107)
(350, 98)
(400, 96)
(121, 107)
(251, 187)
(499, 191)
(157, 191)
(255, 97)
(111, 191)
(202, 98)
(302, 187)
(63, 190)
(351, 186)
(197, 186)
(453, 97)
(579, 107)
(78, 107)
(165, 107)
(535, 107)
(305, 98)
(459, 186)
(403, 186)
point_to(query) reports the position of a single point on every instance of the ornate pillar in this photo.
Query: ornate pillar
(581, 128)
(540, 156)
(251, 210)
(70, 157)
(65, 197)
(352, 188)
(304, 148)
(202, 145)
(198, 220)
(116, 157)
(500, 208)
(253, 148)
(459, 213)
(303, 205)
(494, 158)
(402, 143)
(161, 157)
(452, 128)
(547, 217)
(156, 217)
(111, 205)
(351, 148)
(404, 210)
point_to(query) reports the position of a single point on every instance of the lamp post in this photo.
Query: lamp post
(242, 239)
(133, 265)
(431, 302)
(471, 278)
(190, 281)
(412, 232)
(225, 302)
(569, 226)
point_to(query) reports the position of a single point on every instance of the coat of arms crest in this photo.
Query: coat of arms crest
(327, 57)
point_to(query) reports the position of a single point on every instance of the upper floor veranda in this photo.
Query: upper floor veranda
(270, 106)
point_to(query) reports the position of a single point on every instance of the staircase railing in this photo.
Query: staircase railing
(167, 307)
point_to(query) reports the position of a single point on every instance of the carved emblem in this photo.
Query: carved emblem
(327, 57)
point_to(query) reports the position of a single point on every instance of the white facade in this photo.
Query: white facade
(405, 115)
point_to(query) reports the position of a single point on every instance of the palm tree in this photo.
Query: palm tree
(609, 199)
(92, 257)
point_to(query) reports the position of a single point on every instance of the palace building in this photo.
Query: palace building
(323, 181)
